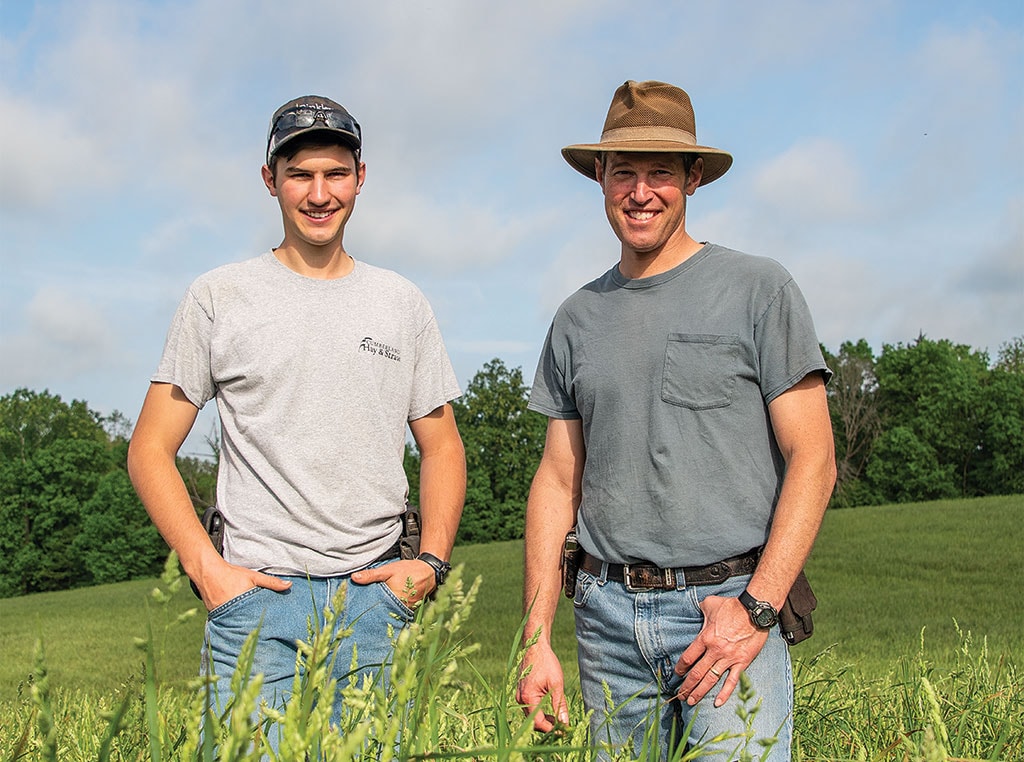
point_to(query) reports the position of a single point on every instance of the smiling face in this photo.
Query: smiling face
(645, 200)
(316, 190)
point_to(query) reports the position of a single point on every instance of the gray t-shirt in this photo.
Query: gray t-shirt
(315, 381)
(671, 376)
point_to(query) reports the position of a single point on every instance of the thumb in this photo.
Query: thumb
(271, 583)
(560, 706)
(367, 576)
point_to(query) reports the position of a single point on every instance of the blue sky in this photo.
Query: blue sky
(878, 145)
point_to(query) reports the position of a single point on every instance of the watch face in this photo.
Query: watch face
(765, 617)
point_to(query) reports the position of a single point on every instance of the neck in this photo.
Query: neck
(329, 264)
(635, 264)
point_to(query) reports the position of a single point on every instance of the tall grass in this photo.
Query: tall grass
(916, 656)
(437, 706)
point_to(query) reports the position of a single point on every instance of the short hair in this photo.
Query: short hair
(689, 159)
(311, 140)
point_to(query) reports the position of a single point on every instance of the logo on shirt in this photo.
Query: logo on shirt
(381, 349)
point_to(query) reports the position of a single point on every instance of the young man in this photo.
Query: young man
(689, 442)
(317, 362)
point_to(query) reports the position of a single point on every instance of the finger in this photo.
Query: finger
(560, 706)
(368, 576)
(700, 682)
(271, 583)
(732, 679)
(689, 657)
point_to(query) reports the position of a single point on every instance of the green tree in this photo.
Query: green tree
(503, 442)
(117, 540)
(933, 390)
(1001, 448)
(61, 478)
(856, 423)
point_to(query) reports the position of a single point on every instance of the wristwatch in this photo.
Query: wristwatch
(441, 568)
(762, 614)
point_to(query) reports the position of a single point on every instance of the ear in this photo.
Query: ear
(696, 173)
(268, 180)
(599, 169)
(360, 177)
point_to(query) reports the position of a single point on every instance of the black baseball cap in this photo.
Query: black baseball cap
(312, 113)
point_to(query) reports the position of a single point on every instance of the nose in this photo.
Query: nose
(641, 192)
(318, 193)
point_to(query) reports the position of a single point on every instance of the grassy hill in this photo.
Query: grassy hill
(883, 575)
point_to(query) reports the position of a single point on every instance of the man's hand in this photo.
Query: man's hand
(541, 676)
(727, 644)
(397, 574)
(224, 581)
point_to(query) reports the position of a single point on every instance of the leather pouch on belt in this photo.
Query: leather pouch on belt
(795, 614)
(409, 543)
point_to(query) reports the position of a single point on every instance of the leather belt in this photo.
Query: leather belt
(395, 551)
(647, 576)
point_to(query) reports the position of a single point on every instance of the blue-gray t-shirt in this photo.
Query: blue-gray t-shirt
(672, 376)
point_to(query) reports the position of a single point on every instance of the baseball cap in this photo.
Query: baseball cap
(312, 113)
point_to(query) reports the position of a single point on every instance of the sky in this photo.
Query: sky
(878, 155)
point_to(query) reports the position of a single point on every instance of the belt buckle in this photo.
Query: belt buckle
(640, 577)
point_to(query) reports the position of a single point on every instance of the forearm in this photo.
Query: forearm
(165, 420)
(798, 515)
(442, 495)
(159, 485)
(550, 514)
(804, 433)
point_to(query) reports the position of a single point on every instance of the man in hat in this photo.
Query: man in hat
(318, 362)
(690, 447)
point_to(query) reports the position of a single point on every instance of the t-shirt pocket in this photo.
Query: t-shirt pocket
(700, 370)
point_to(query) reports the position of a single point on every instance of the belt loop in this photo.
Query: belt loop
(603, 579)
(680, 579)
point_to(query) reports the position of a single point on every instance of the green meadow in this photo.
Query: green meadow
(905, 592)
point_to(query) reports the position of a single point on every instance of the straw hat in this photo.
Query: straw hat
(649, 117)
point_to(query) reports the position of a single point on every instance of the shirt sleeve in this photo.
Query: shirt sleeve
(186, 357)
(787, 345)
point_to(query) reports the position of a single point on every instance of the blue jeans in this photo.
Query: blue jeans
(631, 643)
(287, 617)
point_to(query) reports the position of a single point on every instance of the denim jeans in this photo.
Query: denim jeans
(287, 617)
(630, 642)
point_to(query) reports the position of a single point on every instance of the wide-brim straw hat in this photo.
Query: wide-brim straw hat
(649, 117)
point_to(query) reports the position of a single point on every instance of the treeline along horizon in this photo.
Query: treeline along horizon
(925, 420)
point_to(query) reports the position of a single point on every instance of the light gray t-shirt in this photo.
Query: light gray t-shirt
(671, 376)
(315, 381)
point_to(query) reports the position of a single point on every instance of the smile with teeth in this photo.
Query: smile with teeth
(319, 215)
(640, 216)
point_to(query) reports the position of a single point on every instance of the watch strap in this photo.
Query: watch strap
(757, 608)
(441, 568)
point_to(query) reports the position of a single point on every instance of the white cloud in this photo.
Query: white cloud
(815, 181)
(62, 336)
(46, 157)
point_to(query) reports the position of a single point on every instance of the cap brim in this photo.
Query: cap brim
(340, 136)
(581, 157)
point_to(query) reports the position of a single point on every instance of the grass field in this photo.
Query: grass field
(882, 576)
(869, 686)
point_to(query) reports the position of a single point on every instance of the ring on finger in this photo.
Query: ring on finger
(715, 672)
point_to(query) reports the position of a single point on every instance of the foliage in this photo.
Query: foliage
(853, 407)
(503, 442)
(68, 514)
(926, 420)
(437, 707)
(920, 421)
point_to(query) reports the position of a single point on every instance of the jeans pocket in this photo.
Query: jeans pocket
(232, 604)
(394, 603)
(585, 583)
(700, 370)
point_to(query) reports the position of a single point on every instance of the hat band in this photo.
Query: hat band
(669, 134)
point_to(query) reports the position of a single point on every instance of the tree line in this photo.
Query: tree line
(925, 420)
